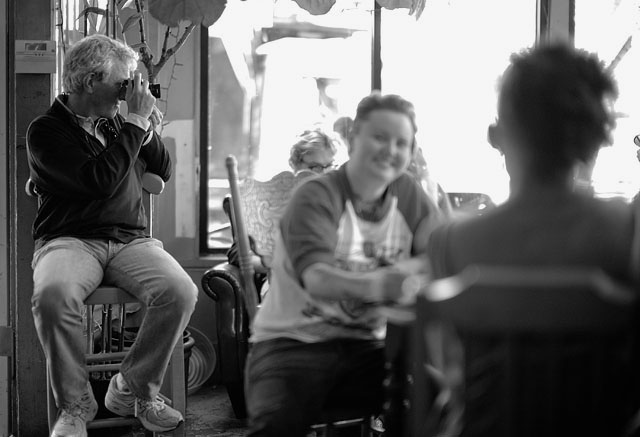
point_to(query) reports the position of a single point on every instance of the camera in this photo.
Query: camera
(153, 87)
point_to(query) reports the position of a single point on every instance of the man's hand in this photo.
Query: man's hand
(155, 118)
(139, 99)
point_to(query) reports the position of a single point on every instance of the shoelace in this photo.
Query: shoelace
(80, 409)
(143, 404)
(73, 413)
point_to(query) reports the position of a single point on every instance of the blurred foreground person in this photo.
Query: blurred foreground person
(555, 110)
(345, 244)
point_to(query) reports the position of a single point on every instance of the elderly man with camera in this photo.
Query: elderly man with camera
(86, 161)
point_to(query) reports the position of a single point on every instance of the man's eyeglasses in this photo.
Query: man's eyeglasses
(153, 87)
(320, 168)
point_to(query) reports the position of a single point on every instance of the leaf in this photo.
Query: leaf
(316, 7)
(92, 9)
(172, 12)
(131, 21)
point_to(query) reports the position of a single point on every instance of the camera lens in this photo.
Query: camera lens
(122, 94)
(155, 90)
(153, 87)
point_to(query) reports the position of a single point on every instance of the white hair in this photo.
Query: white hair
(97, 54)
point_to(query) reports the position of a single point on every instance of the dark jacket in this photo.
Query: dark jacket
(86, 190)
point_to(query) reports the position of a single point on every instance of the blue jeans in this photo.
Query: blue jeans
(290, 383)
(66, 270)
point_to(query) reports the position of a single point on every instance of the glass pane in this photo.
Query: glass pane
(447, 63)
(607, 27)
(71, 25)
(274, 71)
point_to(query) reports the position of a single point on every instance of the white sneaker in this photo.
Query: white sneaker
(154, 415)
(73, 419)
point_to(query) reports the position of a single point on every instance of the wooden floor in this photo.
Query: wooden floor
(209, 414)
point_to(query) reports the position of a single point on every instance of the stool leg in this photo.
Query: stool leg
(105, 323)
(90, 309)
(109, 333)
(52, 409)
(123, 314)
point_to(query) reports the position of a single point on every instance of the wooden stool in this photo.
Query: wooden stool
(107, 361)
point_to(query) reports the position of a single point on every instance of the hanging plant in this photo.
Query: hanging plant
(415, 6)
(179, 16)
(316, 7)
(321, 7)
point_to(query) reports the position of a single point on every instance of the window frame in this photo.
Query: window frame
(203, 177)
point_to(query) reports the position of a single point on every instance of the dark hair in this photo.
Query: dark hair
(554, 99)
(391, 102)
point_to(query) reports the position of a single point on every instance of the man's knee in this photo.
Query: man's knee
(52, 299)
(184, 293)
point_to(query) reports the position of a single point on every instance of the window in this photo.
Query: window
(72, 25)
(608, 28)
(274, 70)
(447, 63)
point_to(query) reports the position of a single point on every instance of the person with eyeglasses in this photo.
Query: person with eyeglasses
(313, 150)
(87, 161)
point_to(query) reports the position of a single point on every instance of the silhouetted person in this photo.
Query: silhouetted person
(554, 113)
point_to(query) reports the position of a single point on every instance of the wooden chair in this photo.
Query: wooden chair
(258, 206)
(262, 203)
(109, 358)
(525, 352)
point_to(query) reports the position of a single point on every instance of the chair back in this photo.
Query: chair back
(256, 208)
(263, 203)
(524, 351)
